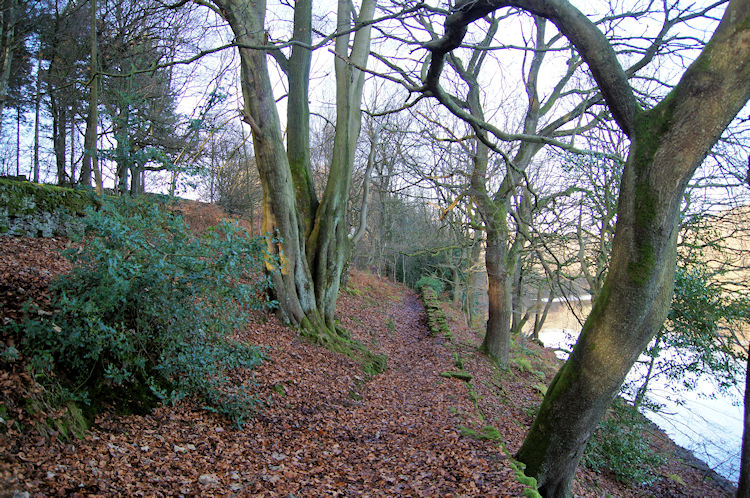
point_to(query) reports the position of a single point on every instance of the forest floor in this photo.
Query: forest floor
(323, 429)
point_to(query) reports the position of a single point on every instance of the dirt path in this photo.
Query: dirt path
(322, 429)
(325, 431)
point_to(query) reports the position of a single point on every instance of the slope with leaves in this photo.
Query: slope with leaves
(325, 427)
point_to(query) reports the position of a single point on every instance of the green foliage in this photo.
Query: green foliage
(701, 311)
(145, 314)
(430, 281)
(618, 445)
(698, 337)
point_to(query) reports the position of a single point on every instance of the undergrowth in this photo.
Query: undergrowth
(144, 315)
(619, 446)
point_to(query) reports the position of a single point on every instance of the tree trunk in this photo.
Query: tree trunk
(90, 159)
(631, 309)
(668, 143)
(18, 141)
(37, 108)
(517, 302)
(313, 234)
(743, 488)
(71, 118)
(7, 45)
(471, 279)
(58, 138)
(497, 336)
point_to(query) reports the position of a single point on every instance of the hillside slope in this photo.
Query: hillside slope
(323, 429)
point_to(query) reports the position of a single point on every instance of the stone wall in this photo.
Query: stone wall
(38, 210)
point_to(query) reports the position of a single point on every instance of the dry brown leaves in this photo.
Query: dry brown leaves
(325, 430)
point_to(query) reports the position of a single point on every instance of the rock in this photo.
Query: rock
(209, 480)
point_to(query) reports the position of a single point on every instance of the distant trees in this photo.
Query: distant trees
(93, 71)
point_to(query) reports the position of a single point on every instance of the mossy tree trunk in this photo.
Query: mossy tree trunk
(312, 231)
(668, 143)
(8, 44)
(743, 487)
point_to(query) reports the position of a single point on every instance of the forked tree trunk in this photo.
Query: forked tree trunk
(313, 235)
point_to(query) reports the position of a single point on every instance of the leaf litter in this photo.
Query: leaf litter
(324, 428)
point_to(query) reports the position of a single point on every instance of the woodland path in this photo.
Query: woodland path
(323, 429)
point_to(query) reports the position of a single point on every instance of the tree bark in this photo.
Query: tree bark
(668, 143)
(58, 138)
(743, 487)
(496, 341)
(37, 108)
(7, 47)
(90, 158)
(313, 234)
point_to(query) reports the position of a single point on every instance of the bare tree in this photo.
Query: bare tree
(668, 143)
(313, 230)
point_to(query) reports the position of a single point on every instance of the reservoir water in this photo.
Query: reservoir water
(707, 421)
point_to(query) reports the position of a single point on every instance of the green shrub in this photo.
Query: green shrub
(618, 444)
(145, 314)
(431, 282)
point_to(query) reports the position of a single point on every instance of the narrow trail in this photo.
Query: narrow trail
(324, 430)
(408, 416)
(321, 428)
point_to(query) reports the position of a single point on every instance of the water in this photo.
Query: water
(706, 421)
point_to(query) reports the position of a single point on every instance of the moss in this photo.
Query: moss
(531, 490)
(28, 198)
(677, 479)
(565, 378)
(458, 375)
(649, 128)
(42, 210)
(353, 291)
(486, 433)
(72, 424)
(523, 364)
(436, 320)
(491, 433)
(640, 271)
(340, 341)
